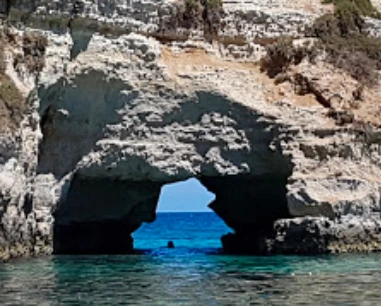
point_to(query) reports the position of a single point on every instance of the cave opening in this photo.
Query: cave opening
(183, 221)
(103, 216)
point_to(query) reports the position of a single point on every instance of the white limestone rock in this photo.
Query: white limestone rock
(117, 113)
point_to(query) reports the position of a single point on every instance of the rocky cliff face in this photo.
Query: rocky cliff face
(129, 100)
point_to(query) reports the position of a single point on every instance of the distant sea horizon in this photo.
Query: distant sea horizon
(187, 211)
(194, 229)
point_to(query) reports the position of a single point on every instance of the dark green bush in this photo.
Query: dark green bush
(191, 16)
(325, 26)
(363, 7)
(341, 37)
(345, 42)
(281, 54)
(212, 16)
(349, 18)
(349, 14)
(206, 14)
(346, 19)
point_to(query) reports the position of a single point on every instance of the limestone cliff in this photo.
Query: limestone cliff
(129, 98)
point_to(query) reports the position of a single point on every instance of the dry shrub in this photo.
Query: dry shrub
(362, 7)
(345, 42)
(359, 55)
(267, 41)
(359, 66)
(212, 16)
(347, 18)
(34, 47)
(2, 56)
(198, 14)
(10, 36)
(191, 14)
(341, 37)
(12, 106)
(239, 40)
(324, 26)
(281, 54)
(10, 94)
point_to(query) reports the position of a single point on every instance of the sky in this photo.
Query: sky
(189, 196)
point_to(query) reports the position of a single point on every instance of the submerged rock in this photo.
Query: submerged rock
(124, 106)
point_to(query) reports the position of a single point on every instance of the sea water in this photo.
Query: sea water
(193, 273)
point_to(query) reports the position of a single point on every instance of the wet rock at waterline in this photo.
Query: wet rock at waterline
(110, 104)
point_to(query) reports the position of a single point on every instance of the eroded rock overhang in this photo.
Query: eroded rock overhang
(117, 143)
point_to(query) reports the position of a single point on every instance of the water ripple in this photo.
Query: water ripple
(189, 277)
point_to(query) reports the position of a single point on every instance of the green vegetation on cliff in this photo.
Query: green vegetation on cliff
(343, 39)
(346, 42)
(207, 13)
(360, 7)
(196, 14)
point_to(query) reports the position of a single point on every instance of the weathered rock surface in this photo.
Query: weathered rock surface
(125, 105)
(26, 220)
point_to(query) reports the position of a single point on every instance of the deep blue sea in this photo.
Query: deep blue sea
(193, 273)
(190, 232)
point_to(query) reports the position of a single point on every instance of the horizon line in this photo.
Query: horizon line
(183, 211)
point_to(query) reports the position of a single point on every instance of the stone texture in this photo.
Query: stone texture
(120, 110)
(23, 230)
(323, 235)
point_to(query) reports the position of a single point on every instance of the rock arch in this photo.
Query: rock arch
(115, 144)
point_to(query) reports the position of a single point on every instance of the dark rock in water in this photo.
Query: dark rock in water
(244, 243)
(317, 235)
(309, 236)
(170, 245)
(98, 237)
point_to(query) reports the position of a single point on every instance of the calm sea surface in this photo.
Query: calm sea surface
(194, 273)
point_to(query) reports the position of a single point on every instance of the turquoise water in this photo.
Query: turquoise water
(200, 231)
(194, 273)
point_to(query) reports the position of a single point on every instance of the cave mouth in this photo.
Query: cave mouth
(101, 216)
(183, 218)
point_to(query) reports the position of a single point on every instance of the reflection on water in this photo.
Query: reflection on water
(190, 277)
